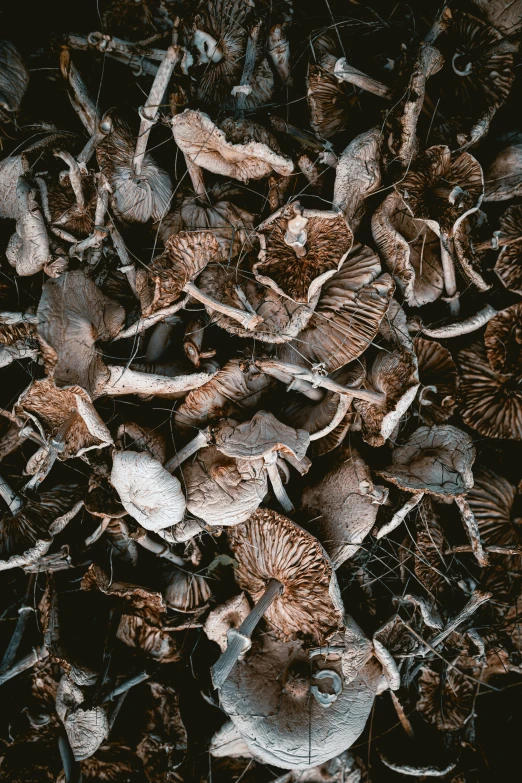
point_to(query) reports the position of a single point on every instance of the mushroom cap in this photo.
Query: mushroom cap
(186, 254)
(504, 16)
(329, 240)
(72, 315)
(222, 490)
(207, 146)
(503, 178)
(260, 436)
(164, 744)
(503, 341)
(27, 535)
(269, 546)
(357, 174)
(135, 197)
(342, 504)
(235, 390)
(64, 210)
(490, 402)
(186, 591)
(438, 377)
(491, 499)
(328, 102)
(351, 307)
(11, 169)
(436, 460)
(14, 78)
(151, 641)
(283, 319)
(267, 696)
(137, 600)
(147, 491)
(509, 261)
(28, 249)
(49, 408)
(224, 617)
(230, 223)
(86, 729)
(446, 702)
(144, 439)
(392, 369)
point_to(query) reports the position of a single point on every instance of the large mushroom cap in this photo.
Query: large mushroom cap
(73, 315)
(503, 177)
(329, 239)
(147, 491)
(207, 146)
(436, 460)
(270, 546)
(268, 697)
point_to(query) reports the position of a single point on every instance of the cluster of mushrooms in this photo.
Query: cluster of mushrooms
(261, 378)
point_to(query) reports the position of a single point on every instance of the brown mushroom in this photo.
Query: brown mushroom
(14, 78)
(492, 499)
(503, 341)
(87, 728)
(276, 559)
(357, 175)
(328, 101)
(301, 249)
(436, 461)
(509, 262)
(163, 745)
(342, 504)
(224, 617)
(437, 396)
(503, 177)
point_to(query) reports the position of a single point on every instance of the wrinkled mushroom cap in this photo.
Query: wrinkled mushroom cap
(329, 240)
(86, 729)
(150, 640)
(436, 460)
(147, 491)
(72, 315)
(208, 147)
(328, 103)
(259, 437)
(267, 696)
(270, 546)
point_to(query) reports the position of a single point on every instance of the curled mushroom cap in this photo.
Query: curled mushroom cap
(503, 341)
(509, 261)
(437, 395)
(72, 315)
(185, 255)
(86, 728)
(28, 249)
(259, 437)
(436, 460)
(350, 309)
(357, 175)
(268, 697)
(14, 78)
(343, 504)
(223, 490)
(207, 146)
(51, 408)
(446, 702)
(301, 249)
(147, 491)
(270, 546)
(490, 401)
(135, 197)
(150, 640)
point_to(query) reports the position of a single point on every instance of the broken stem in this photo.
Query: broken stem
(13, 500)
(400, 515)
(36, 655)
(149, 110)
(97, 534)
(201, 440)
(342, 409)
(467, 326)
(145, 323)
(71, 767)
(56, 446)
(196, 176)
(123, 380)
(239, 639)
(103, 128)
(472, 529)
(161, 549)
(247, 320)
(477, 599)
(126, 685)
(346, 73)
(23, 616)
(78, 94)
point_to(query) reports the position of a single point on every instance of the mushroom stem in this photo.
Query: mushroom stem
(56, 446)
(400, 515)
(342, 409)
(193, 340)
(102, 129)
(109, 44)
(23, 616)
(346, 73)
(78, 94)
(11, 318)
(304, 387)
(247, 320)
(126, 685)
(239, 639)
(97, 534)
(248, 69)
(279, 51)
(161, 549)
(470, 324)
(472, 529)
(37, 654)
(13, 500)
(296, 234)
(278, 487)
(75, 177)
(448, 272)
(127, 267)
(196, 176)
(71, 767)
(123, 380)
(145, 323)
(477, 599)
(149, 111)
(208, 47)
(201, 440)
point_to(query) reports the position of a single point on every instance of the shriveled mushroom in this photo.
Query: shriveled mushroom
(86, 729)
(342, 505)
(357, 175)
(328, 101)
(148, 492)
(436, 461)
(301, 249)
(276, 559)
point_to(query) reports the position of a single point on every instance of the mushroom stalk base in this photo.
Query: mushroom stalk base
(400, 515)
(239, 640)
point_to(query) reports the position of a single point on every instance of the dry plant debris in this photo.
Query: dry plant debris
(261, 391)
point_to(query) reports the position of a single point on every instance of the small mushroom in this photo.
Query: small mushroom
(205, 145)
(147, 491)
(342, 505)
(28, 249)
(503, 341)
(437, 396)
(276, 559)
(301, 249)
(224, 617)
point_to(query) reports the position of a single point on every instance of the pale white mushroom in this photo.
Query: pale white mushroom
(86, 729)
